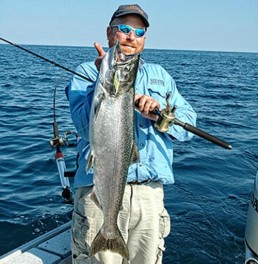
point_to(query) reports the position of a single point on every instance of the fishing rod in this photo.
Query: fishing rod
(166, 116)
(57, 142)
(45, 59)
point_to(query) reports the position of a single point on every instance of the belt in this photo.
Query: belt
(138, 183)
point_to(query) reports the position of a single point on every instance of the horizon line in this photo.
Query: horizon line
(146, 48)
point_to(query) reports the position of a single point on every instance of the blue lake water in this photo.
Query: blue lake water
(208, 203)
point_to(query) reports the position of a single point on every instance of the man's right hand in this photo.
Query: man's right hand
(101, 54)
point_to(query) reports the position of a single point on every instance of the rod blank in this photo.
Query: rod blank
(203, 134)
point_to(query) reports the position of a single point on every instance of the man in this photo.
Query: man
(143, 221)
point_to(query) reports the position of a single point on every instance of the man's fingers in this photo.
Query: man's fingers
(146, 103)
(101, 54)
(99, 49)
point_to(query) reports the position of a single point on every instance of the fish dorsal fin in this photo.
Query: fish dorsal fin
(97, 103)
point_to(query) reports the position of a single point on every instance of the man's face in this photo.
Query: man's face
(129, 43)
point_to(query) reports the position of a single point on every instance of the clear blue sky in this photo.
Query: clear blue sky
(225, 25)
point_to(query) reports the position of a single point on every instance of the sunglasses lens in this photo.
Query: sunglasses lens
(139, 32)
(125, 29)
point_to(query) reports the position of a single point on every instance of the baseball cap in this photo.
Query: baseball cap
(128, 10)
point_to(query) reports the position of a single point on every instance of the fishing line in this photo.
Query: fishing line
(45, 59)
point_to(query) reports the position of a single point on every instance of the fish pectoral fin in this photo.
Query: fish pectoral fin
(95, 199)
(116, 82)
(135, 153)
(89, 162)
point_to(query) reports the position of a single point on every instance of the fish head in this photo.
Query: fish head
(119, 71)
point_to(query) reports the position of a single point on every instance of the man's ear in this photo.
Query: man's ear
(109, 30)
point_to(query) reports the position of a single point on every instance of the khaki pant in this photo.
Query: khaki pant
(143, 222)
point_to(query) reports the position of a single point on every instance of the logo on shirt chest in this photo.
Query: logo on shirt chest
(157, 82)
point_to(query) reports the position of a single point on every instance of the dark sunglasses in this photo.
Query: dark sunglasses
(139, 32)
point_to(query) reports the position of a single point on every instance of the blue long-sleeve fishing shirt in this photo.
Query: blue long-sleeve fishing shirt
(155, 148)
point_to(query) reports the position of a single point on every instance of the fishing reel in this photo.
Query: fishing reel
(60, 141)
(166, 117)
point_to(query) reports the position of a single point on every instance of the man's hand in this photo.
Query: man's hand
(101, 54)
(146, 104)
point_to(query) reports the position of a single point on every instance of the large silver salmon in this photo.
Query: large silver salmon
(112, 143)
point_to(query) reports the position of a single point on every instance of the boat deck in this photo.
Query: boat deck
(50, 248)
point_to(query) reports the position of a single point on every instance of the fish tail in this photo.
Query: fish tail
(116, 244)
